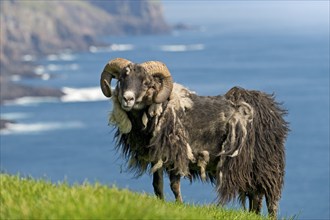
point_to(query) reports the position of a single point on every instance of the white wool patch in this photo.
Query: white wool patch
(235, 153)
(246, 111)
(190, 154)
(219, 168)
(119, 117)
(202, 160)
(241, 118)
(179, 98)
(144, 120)
(220, 179)
(128, 70)
(157, 166)
(155, 110)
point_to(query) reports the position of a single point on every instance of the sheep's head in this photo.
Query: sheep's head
(139, 85)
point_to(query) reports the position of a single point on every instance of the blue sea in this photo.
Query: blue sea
(269, 46)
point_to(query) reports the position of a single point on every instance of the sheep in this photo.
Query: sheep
(235, 141)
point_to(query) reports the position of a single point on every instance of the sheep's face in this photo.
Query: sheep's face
(139, 85)
(135, 88)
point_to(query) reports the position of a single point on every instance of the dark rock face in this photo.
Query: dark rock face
(43, 27)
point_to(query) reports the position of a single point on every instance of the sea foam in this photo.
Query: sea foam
(31, 101)
(181, 47)
(112, 47)
(40, 127)
(82, 94)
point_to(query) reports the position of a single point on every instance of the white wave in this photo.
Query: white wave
(36, 128)
(39, 70)
(112, 47)
(182, 47)
(28, 58)
(52, 57)
(73, 66)
(54, 67)
(15, 78)
(91, 94)
(82, 94)
(31, 101)
(14, 115)
(43, 70)
(66, 56)
(93, 49)
(45, 76)
(121, 47)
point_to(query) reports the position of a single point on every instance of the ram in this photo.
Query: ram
(235, 141)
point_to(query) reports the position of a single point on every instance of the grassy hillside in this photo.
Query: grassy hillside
(24, 198)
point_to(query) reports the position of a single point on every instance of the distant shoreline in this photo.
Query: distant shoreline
(11, 91)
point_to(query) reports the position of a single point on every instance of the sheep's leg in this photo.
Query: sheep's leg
(175, 186)
(158, 183)
(242, 198)
(272, 207)
(255, 202)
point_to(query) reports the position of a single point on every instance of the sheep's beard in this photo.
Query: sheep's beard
(136, 106)
(126, 108)
(119, 118)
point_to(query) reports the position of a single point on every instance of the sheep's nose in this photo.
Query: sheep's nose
(128, 96)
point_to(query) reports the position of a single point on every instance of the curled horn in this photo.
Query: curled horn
(156, 68)
(111, 70)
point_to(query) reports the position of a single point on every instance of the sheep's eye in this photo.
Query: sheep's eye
(146, 83)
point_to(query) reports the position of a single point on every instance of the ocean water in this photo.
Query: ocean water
(69, 138)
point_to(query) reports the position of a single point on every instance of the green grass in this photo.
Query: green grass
(26, 198)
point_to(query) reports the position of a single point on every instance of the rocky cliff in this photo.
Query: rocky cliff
(36, 28)
(136, 17)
